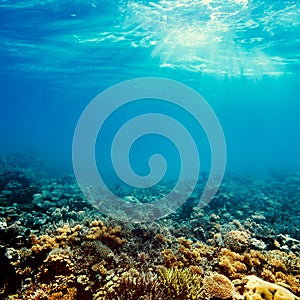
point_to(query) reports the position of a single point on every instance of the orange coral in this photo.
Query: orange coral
(273, 266)
(231, 264)
(187, 254)
(63, 236)
(170, 259)
(75, 261)
(159, 237)
(44, 242)
(108, 235)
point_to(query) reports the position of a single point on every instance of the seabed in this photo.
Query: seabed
(54, 245)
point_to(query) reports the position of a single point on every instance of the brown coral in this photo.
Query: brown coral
(270, 265)
(232, 264)
(71, 260)
(236, 240)
(107, 235)
(131, 285)
(187, 254)
(63, 236)
(218, 285)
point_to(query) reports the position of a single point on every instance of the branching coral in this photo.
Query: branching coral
(107, 235)
(66, 235)
(62, 238)
(187, 254)
(132, 285)
(59, 262)
(89, 260)
(39, 294)
(72, 260)
(232, 264)
(180, 283)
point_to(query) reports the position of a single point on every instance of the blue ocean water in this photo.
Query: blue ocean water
(242, 56)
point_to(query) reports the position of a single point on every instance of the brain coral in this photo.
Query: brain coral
(258, 289)
(218, 285)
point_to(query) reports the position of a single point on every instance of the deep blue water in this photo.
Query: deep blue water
(242, 56)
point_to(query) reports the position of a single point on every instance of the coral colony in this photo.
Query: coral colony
(54, 245)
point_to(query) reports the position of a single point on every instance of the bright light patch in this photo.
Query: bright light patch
(229, 37)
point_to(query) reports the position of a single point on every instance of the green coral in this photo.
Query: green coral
(180, 283)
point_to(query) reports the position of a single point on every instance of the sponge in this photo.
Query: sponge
(258, 289)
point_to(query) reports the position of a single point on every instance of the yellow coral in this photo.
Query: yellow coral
(232, 264)
(180, 283)
(258, 289)
(109, 235)
(64, 235)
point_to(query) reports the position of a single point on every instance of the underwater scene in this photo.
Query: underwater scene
(150, 150)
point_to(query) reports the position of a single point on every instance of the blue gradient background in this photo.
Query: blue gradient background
(56, 56)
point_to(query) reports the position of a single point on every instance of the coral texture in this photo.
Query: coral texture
(218, 286)
(180, 283)
(258, 289)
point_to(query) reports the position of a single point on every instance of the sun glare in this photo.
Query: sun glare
(220, 37)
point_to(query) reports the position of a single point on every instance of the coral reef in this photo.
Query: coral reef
(54, 245)
(258, 289)
(271, 265)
